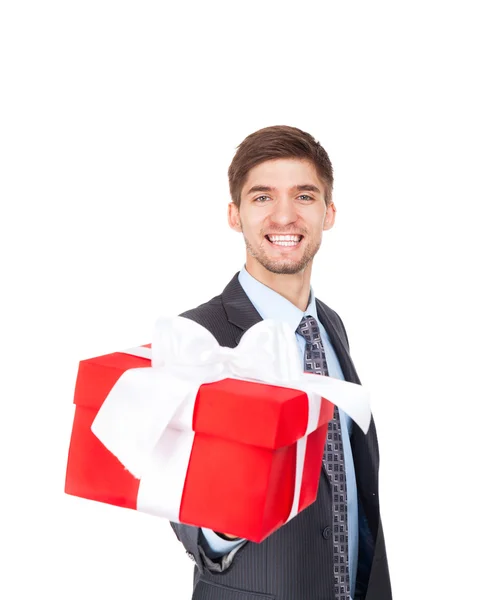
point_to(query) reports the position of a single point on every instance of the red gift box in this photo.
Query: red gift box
(241, 476)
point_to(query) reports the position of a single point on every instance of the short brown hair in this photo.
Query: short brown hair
(278, 141)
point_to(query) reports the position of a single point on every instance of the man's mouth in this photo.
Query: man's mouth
(284, 241)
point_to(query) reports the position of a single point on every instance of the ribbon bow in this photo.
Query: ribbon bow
(266, 352)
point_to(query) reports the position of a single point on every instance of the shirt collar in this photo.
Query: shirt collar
(271, 305)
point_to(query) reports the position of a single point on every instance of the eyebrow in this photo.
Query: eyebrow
(296, 188)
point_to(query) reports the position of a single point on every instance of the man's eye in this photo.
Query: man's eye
(306, 197)
(259, 198)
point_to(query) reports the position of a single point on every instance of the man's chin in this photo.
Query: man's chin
(284, 267)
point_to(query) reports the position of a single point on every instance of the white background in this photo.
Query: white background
(118, 123)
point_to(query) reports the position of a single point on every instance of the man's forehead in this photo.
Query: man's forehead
(294, 174)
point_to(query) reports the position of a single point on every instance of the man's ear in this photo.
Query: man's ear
(234, 217)
(330, 216)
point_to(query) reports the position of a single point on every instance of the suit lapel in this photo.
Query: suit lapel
(364, 446)
(239, 309)
(337, 339)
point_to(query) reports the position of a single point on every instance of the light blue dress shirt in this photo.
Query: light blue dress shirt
(271, 305)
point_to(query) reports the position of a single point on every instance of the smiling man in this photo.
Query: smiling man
(282, 223)
(281, 188)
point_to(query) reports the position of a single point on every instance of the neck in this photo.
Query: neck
(295, 288)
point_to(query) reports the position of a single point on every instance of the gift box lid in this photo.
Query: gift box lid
(254, 413)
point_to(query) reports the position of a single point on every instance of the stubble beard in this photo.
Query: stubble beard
(283, 266)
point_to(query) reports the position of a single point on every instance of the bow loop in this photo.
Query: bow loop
(267, 351)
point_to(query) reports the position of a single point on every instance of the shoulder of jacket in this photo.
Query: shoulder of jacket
(213, 309)
(212, 315)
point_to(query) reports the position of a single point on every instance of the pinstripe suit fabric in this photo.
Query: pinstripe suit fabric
(295, 562)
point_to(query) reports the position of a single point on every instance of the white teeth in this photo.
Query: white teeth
(284, 238)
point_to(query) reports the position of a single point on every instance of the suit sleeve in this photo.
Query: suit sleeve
(200, 552)
(189, 536)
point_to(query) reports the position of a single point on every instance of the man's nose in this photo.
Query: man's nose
(285, 212)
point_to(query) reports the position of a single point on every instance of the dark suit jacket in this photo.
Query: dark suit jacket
(295, 562)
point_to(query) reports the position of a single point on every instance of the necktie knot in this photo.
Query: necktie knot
(308, 328)
(314, 357)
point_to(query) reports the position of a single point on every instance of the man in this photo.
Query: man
(281, 187)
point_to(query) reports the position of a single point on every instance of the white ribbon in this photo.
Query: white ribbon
(146, 419)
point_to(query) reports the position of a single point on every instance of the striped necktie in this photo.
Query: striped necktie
(315, 361)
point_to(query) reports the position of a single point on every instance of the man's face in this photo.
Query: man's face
(282, 214)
